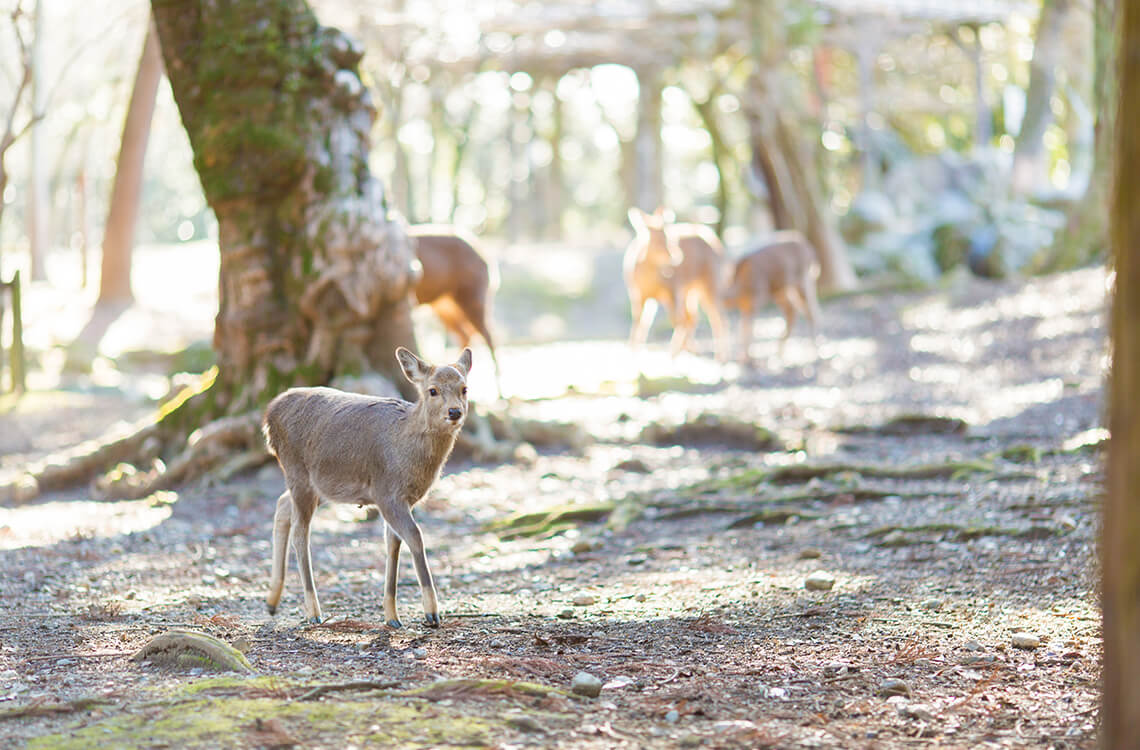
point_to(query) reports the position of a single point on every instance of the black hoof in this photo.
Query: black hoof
(315, 620)
(272, 608)
(432, 620)
(394, 623)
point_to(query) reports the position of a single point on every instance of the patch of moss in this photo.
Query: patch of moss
(208, 722)
(545, 523)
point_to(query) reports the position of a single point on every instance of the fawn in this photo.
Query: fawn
(348, 447)
(456, 282)
(678, 266)
(784, 270)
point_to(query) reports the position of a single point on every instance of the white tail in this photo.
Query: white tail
(347, 447)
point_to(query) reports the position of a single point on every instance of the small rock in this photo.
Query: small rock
(632, 465)
(894, 686)
(920, 711)
(526, 724)
(419, 653)
(496, 643)
(973, 646)
(639, 598)
(584, 600)
(820, 580)
(566, 614)
(930, 604)
(672, 716)
(691, 740)
(243, 644)
(64, 662)
(637, 560)
(810, 553)
(776, 693)
(586, 684)
(581, 546)
(1025, 640)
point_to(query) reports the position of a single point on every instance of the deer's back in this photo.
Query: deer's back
(701, 252)
(345, 444)
(784, 261)
(451, 265)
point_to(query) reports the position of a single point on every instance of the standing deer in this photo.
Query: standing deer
(457, 282)
(678, 266)
(352, 448)
(784, 270)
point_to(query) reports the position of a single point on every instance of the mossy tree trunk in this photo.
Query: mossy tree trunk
(1120, 555)
(314, 272)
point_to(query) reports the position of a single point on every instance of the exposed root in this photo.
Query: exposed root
(188, 649)
(39, 708)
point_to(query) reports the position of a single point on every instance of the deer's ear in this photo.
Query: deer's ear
(415, 369)
(463, 364)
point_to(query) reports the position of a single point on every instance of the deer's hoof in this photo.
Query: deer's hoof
(432, 620)
(394, 623)
(315, 620)
(272, 608)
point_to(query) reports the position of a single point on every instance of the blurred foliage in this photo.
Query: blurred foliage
(442, 145)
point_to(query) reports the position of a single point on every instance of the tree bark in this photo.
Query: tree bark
(38, 200)
(119, 234)
(1120, 555)
(648, 189)
(314, 271)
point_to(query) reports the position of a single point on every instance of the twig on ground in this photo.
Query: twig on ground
(336, 687)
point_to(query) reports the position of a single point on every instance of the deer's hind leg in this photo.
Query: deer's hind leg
(282, 520)
(391, 574)
(304, 505)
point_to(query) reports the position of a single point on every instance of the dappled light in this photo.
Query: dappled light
(784, 419)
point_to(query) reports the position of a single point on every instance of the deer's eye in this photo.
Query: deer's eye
(433, 392)
(464, 390)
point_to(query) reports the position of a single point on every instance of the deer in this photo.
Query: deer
(457, 283)
(676, 266)
(368, 450)
(784, 270)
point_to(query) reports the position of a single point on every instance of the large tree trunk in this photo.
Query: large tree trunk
(119, 234)
(314, 271)
(1120, 555)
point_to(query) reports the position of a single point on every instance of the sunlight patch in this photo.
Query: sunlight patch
(48, 523)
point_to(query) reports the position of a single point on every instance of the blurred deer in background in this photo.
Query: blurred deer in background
(677, 266)
(457, 283)
(783, 270)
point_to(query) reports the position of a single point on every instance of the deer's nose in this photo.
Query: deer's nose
(454, 414)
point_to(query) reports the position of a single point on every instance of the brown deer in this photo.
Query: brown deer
(679, 267)
(783, 270)
(457, 282)
(352, 448)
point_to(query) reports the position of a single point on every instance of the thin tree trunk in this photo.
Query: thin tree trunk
(706, 109)
(647, 142)
(314, 273)
(126, 192)
(38, 200)
(1030, 172)
(1120, 555)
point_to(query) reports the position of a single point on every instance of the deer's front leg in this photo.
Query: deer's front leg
(398, 516)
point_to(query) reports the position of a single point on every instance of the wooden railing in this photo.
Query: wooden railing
(10, 297)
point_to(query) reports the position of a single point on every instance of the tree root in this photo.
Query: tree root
(189, 649)
(37, 708)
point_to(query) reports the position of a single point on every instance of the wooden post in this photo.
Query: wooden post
(19, 382)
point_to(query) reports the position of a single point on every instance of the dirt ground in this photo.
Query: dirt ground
(906, 560)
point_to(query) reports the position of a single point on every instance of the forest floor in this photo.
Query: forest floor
(905, 559)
